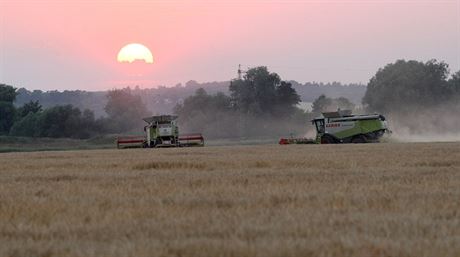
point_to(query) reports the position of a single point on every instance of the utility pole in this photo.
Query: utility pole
(240, 72)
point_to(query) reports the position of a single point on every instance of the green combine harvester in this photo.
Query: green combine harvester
(343, 127)
(161, 131)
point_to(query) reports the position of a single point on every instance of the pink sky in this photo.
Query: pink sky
(51, 44)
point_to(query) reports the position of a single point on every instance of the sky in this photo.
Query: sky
(69, 45)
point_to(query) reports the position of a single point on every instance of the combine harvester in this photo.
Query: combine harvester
(161, 131)
(343, 127)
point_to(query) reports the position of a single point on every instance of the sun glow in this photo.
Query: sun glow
(135, 52)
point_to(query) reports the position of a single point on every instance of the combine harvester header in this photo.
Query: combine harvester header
(161, 131)
(343, 127)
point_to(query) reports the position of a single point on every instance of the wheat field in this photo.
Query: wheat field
(267, 200)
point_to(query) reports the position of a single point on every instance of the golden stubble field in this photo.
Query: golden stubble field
(270, 200)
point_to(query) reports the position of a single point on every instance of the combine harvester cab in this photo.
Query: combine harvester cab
(343, 127)
(161, 131)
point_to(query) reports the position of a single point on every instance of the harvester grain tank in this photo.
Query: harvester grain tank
(343, 127)
(161, 131)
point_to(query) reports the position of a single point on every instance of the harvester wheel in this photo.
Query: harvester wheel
(359, 139)
(326, 139)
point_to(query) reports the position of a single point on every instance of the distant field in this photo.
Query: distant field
(29, 144)
(267, 200)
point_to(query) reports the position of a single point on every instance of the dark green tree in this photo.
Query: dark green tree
(261, 92)
(221, 102)
(7, 110)
(407, 85)
(206, 113)
(60, 121)
(202, 102)
(7, 93)
(30, 107)
(125, 110)
(343, 103)
(27, 126)
(63, 121)
(321, 104)
(287, 98)
(326, 104)
(454, 84)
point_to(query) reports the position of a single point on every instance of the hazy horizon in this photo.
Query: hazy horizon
(53, 45)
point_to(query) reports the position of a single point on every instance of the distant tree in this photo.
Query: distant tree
(125, 110)
(326, 104)
(261, 92)
(202, 111)
(30, 107)
(221, 102)
(260, 105)
(7, 93)
(88, 125)
(287, 98)
(454, 83)
(344, 104)
(7, 109)
(60, 121)
(321, 104)
(406, 84)
(27, 126)
(7, 113)
(202, 102)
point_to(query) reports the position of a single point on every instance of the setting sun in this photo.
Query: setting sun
(135, 52)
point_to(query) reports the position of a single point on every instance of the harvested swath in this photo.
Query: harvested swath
(164, 165)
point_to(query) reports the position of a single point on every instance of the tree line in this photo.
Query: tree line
(258, 104)
(124, 112)
(417, 97)
(411, 86)
(162, 99)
